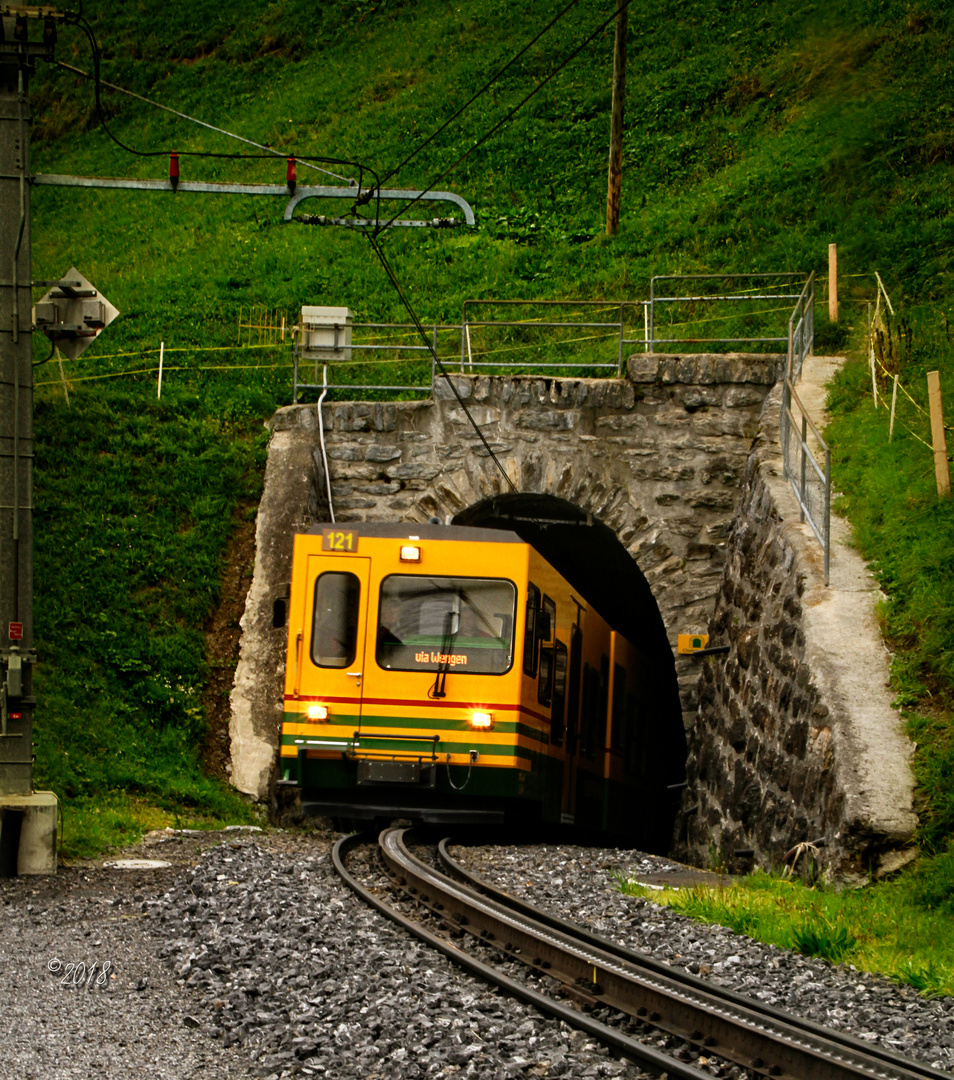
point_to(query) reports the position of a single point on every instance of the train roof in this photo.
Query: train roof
(405, 530)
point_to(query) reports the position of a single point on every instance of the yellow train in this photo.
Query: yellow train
(450, 674)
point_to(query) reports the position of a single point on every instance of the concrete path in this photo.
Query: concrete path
(848, 657)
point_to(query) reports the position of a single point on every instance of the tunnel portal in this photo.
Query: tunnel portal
(589, 555)
(628, 487)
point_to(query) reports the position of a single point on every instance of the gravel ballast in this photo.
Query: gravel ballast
(251, 959)
(577, 884)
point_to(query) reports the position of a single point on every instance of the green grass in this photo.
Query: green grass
(906, 532)
(129, 541)
(891, 928)
(902, 928)
(754, 137)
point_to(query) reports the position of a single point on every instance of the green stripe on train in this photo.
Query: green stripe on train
(509, 727)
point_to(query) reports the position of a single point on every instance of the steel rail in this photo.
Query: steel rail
(698, 1014)
(622, 952)
(655, 1060)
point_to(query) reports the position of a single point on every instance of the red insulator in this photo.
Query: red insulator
(174, 171)
(291, 175)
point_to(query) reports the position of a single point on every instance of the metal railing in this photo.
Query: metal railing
(738, 299)
(518, 352)
(508, 346)
(409, 360)
(801, 329)
(803, 448)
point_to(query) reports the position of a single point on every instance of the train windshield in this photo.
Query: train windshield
(458, 624)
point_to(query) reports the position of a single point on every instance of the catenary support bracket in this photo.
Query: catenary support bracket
(294, 198)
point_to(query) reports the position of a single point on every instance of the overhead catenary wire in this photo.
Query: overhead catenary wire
(392, 277)
(77, 20)
(202, 123)
(483, 90)
(507, 117)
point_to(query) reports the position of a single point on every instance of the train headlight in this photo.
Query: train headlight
(483, 721)
(410, 553)
(317, 712)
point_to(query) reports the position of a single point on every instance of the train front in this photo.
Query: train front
(402, 696)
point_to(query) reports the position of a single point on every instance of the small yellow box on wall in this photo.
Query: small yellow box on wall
(690, 643)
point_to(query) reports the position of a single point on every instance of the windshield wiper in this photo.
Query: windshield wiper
(451, 626)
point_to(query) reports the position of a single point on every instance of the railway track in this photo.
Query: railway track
(627, 1001)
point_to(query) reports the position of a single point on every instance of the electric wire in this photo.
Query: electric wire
(507, 117)
(321, 441)
(350, 180)
(361, 196)
(483, 90)
(392, 277)
(40, 363)
(78, 20)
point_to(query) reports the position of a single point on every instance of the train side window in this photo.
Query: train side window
(619, 707)
(545, 682)
(334, 634)
(547, 625)
(546, 628)
(530, 633)
(573, 688)
(559, 693)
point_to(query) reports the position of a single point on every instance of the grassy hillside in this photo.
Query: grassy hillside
(756, 135)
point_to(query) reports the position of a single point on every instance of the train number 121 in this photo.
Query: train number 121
(336, 540)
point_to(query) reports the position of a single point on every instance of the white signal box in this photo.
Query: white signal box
(324, 334)
(72, 314)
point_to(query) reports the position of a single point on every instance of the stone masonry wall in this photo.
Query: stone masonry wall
(761, 761)
(658, 457)
(782, 751)
(791, 736)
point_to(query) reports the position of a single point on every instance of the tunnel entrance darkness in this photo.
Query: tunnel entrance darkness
(590, 556)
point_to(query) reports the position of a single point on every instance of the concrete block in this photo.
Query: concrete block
(35, 815)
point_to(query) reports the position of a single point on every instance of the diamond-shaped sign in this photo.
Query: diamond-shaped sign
(72, 314)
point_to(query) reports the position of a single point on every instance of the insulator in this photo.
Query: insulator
(291, 176)
(174, 171)
(49, 32)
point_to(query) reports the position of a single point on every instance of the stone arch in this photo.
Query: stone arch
(657, 458)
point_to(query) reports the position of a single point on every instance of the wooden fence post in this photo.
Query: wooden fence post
(894, 402)
(833, 282)
(942, 471)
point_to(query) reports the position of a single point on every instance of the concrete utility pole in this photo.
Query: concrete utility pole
(26, 824)
(615, 183)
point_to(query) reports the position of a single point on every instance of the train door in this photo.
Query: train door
(332, 642)
(572, 730)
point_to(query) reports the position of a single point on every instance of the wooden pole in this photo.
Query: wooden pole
(942, 471)
(894, 402)
(615, 182)
(833, 282)
(874, 381)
